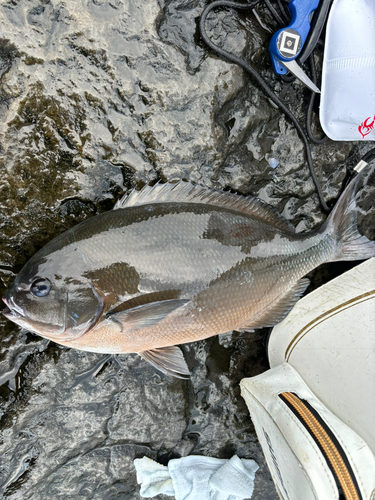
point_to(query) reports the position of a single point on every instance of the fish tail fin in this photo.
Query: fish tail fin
(342, 222)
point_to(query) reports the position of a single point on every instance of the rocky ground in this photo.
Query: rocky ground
(97, 97)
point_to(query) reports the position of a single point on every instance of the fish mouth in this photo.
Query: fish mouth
(15, 313)
(11, 310)
(11, 313)
(6, 311)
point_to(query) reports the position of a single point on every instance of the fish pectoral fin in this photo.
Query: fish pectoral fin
(281, 308)
(145, 315)
(168, 360)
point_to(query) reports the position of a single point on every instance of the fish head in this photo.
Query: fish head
(57, 306)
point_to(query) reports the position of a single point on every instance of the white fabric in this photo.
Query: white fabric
(154, 478)
(197, 478)
(347, 109)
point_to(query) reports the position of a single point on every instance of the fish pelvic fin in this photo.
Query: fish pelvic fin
(280, 309)
(342, 222)
(168, 360)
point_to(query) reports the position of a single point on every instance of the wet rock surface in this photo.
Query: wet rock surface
(97, 97)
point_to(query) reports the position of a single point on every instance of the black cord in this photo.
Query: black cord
(256, 76)
(274, 13)
(369, 156)
(285, 14)
(311, 105)
(351, 172)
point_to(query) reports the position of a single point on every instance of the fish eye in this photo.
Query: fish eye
(40, 287)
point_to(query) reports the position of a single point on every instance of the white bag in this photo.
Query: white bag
(329, 338)
(312, 455)
(347, 109)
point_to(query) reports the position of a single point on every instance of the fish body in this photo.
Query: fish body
(173, 264)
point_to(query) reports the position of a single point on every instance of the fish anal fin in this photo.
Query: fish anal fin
(281, 308)
(145, 315)
(168, 360)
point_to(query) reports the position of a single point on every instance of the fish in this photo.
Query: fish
(176, 263)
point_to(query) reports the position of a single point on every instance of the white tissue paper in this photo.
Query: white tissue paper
(347, 109)
(198, 478)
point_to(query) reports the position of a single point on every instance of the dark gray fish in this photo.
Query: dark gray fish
(175, 263)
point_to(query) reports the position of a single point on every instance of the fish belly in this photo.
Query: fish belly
(235, 300)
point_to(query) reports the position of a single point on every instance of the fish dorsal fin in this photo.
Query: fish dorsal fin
(281, 308)
(168, 360)
(185, 192)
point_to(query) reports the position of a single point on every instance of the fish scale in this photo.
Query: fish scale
(222, 305)
(172, 264)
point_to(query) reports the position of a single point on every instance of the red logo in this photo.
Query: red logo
(365, 128)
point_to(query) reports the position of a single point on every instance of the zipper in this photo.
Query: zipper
(328, 444)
